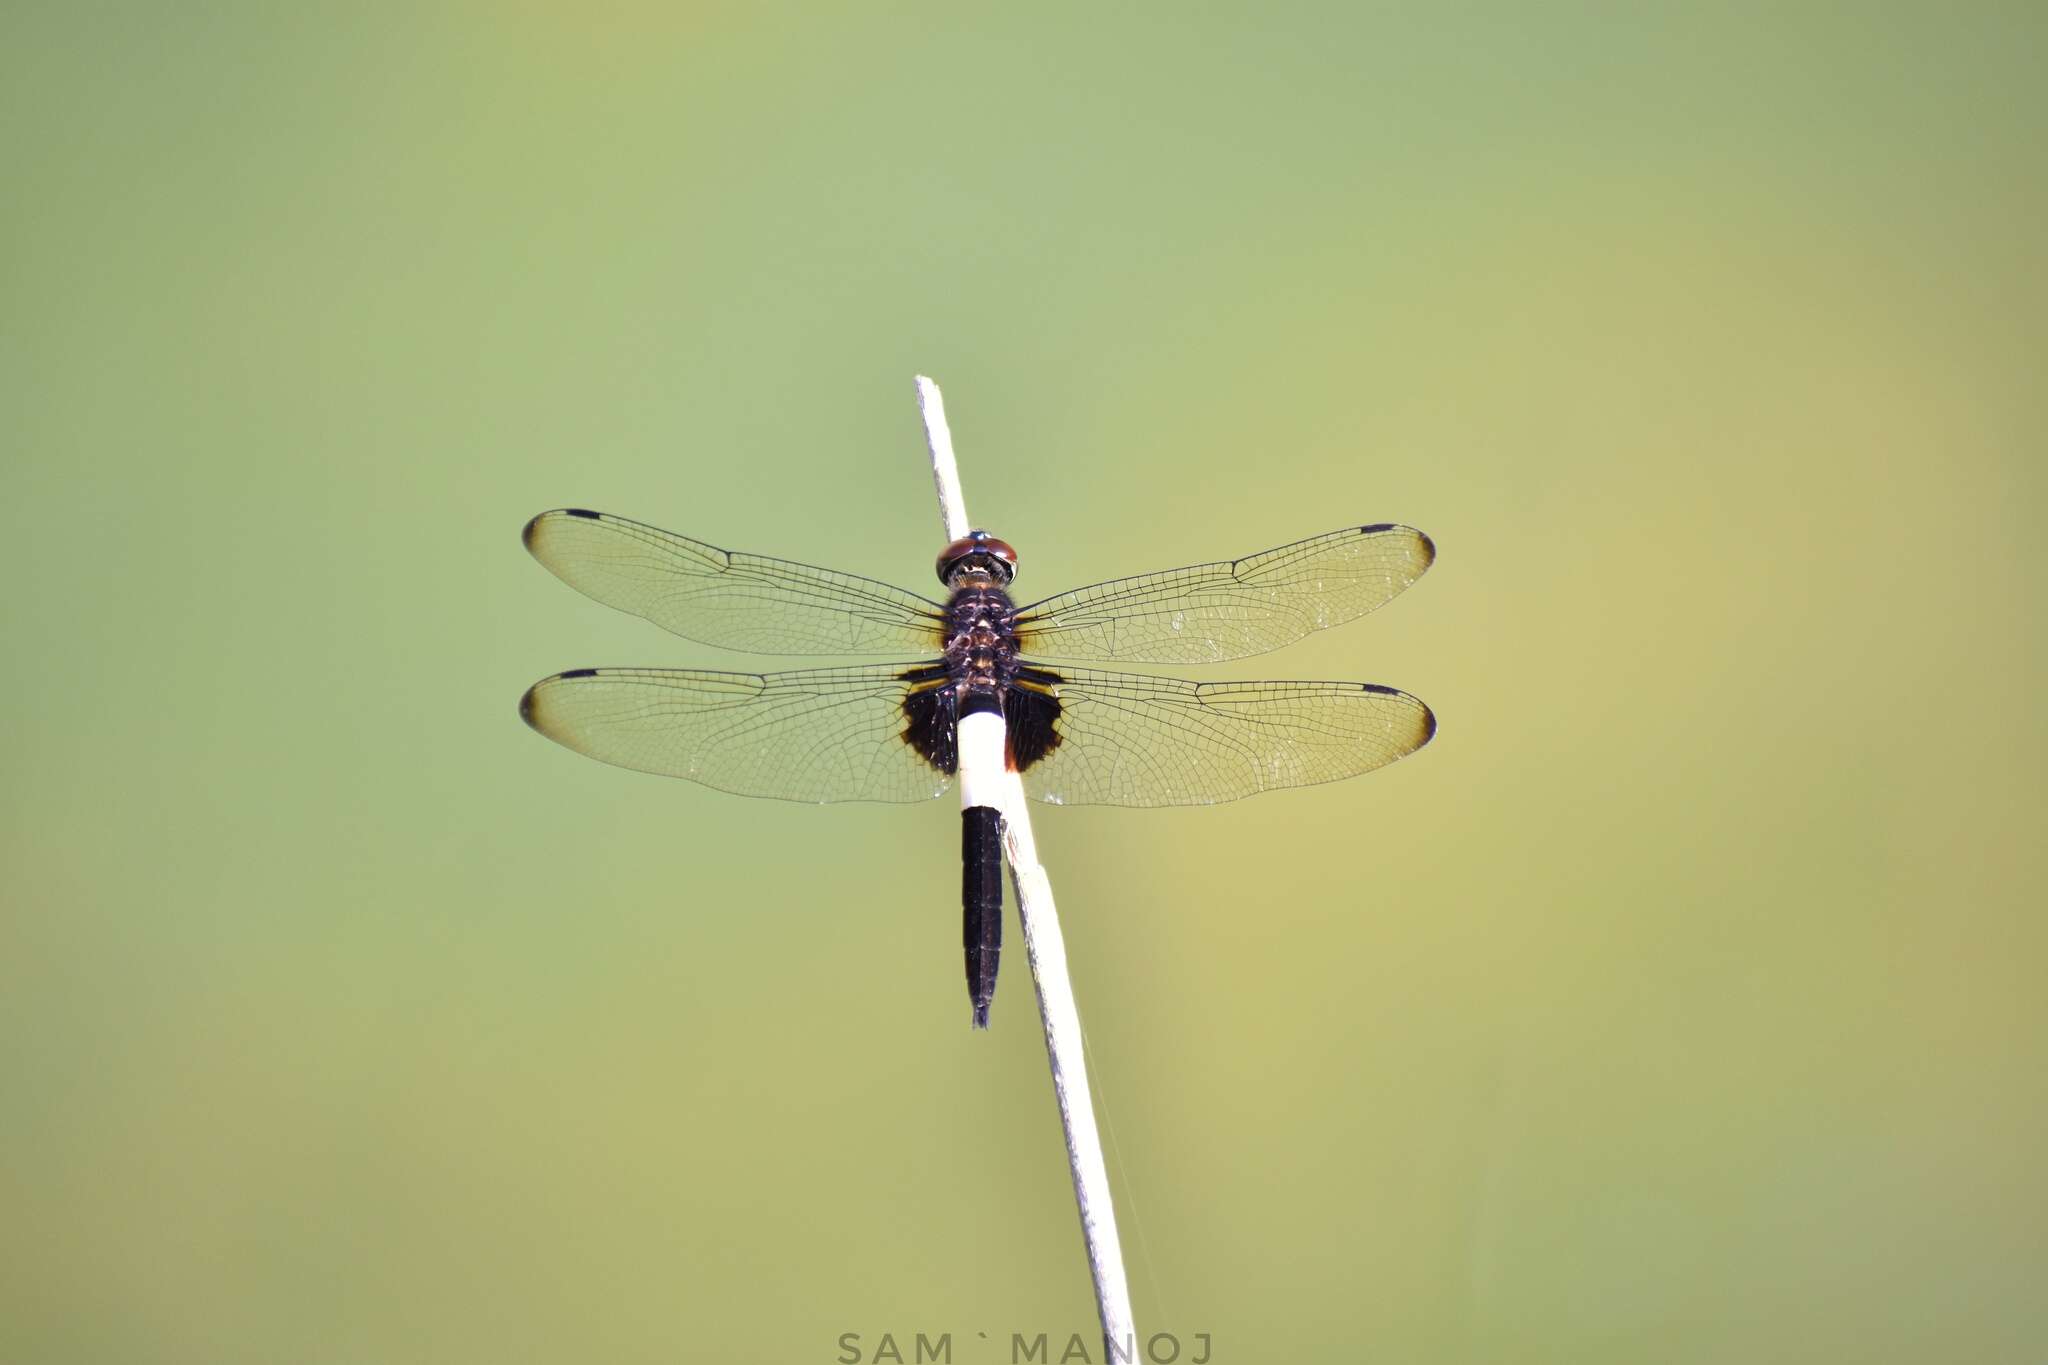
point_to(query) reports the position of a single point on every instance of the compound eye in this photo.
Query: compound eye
(977, 552)
(953, 554)
(1001, 550)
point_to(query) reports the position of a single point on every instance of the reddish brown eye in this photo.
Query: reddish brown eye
(978, 552)
(958, 550)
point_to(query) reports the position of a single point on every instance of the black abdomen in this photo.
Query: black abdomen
(981, 899)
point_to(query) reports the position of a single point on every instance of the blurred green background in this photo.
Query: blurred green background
(1679, 1003)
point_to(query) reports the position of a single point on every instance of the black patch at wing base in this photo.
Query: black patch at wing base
(930, 709)
(1031, 717)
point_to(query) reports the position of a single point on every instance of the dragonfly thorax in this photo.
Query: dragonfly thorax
(981, 638)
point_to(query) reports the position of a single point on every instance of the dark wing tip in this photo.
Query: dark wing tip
(1428, 545)
(1428, 721)
(533, 526)
(529, 702)
(526, 532)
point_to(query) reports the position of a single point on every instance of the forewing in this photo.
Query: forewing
(727, 598)
(1232, 608)
(825, 734)
(1122, 739)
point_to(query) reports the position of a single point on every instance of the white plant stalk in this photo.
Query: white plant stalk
(1047, 950)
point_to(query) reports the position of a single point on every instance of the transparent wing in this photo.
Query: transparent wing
(729, 599)
(1122, 739)
(825, 734)
(1230, 609)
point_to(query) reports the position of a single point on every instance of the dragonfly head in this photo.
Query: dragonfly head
(977, 559)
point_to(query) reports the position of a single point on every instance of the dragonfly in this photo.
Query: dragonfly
(977, 705)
